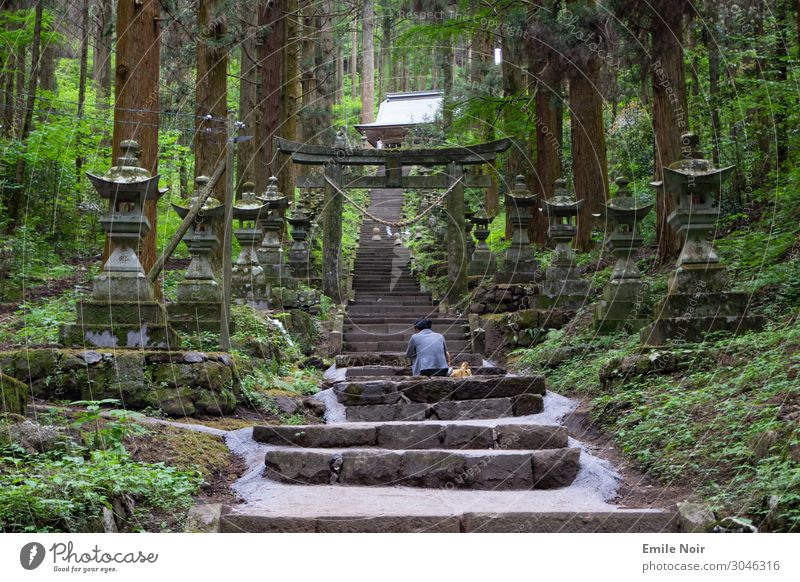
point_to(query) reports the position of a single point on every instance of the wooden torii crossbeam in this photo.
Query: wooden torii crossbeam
(331, 159)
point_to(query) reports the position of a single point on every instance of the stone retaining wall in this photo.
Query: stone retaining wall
(179, 383)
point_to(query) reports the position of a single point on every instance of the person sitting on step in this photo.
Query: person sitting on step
(427, 351)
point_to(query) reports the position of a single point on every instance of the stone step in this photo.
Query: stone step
(437, 389)
(358, 336)
(401, 328)
(482, 469)
(398, 345)
(247, 520)
(390, 371)
(347, 360)
(393, 300)
(439, 321)
(409, 311)
(429, 435)
(488, 408)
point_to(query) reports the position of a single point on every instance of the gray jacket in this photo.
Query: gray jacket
(427, 349)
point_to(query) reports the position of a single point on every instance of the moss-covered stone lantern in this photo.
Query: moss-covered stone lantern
(697, 300)
(247, 276)
(562, 283)
(482, 261)
(299, 253)
(199, 304)
(519, 264)
(122, 311)
(626, 298)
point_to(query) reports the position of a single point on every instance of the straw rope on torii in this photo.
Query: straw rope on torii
(398, 223)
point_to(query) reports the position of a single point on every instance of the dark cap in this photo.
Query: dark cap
(423, 323)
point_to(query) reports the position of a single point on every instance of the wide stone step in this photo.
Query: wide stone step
(243, 520)
(349, 359)
(391, 300)
(396, 346)
(390, 371)
(430, 435)
(401, 328)
(359, 336)
(437, 389)
(486, 409)
(439, 321)
(433, 468)
(376, 310)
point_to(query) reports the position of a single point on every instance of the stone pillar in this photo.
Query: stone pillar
(332, 236)
(122, 312)
(482, 262)
(563, 285)
(456, 257)
(519, 263)
(626, 298)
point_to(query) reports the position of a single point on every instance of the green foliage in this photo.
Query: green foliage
(699, 427)
(37, 322)
(110, 433)
(53, 493)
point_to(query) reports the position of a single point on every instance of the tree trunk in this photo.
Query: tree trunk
(548, 132)
(8, 81)
(713, 93)
(589, 163)
(354, 59)
(248, 89)
(291, 86)
(104, 33)
(136, 85)
(368, 64)
(270, 64)
(308, 122)
(670, 117)
(16, 199)
(47, 70)
(211, 92)
(339, 73)
(387, 68)
(82, 80)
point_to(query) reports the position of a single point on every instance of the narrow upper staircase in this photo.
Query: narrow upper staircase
(410, 454)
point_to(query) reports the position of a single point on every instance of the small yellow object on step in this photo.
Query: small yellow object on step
(463, 371)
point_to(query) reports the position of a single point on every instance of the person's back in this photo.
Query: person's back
(427, 350)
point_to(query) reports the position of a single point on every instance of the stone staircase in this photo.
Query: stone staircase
(387, 297)
(410, 454)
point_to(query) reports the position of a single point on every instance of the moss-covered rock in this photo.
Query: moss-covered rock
(13, 395)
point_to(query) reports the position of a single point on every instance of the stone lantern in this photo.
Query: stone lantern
(122, 311)
(626, 298)
(199, 304)
(277, 277)
(697, 301)
(482, 261)
(299, 253)
(563, 285)
(519, 264)
(247, 276)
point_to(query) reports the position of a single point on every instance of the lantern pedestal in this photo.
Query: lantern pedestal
(698, 301)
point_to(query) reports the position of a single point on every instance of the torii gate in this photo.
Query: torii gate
(393, 160)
